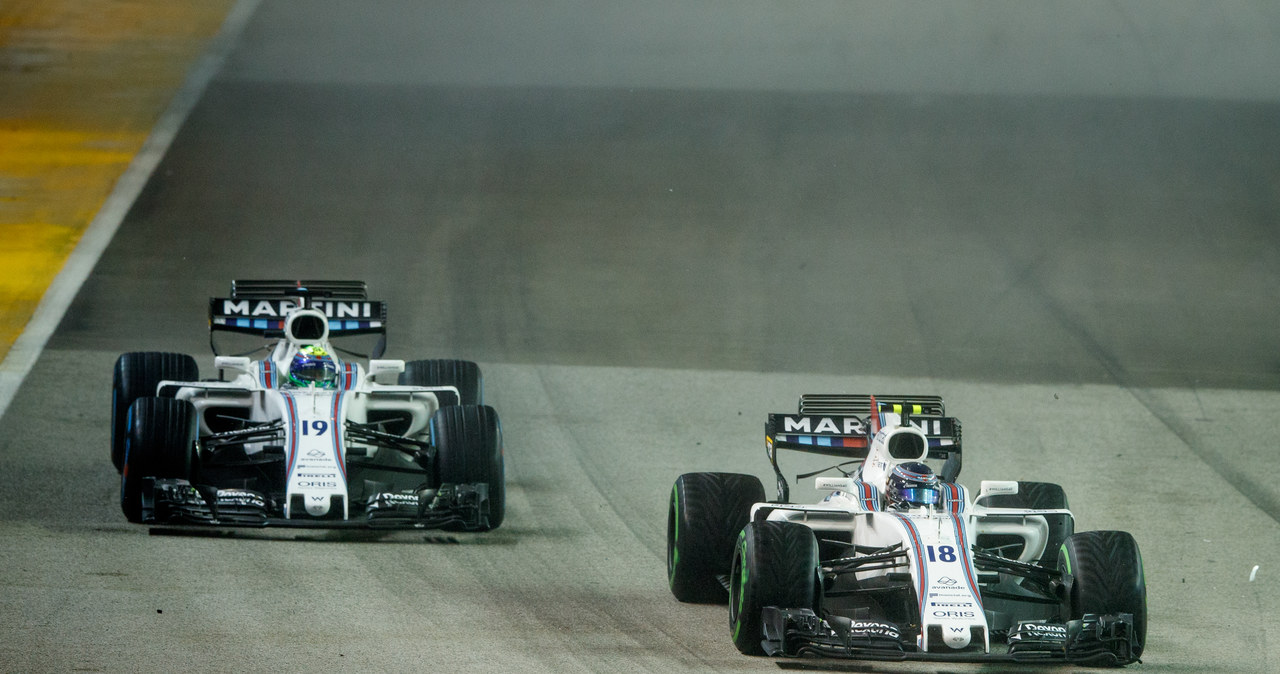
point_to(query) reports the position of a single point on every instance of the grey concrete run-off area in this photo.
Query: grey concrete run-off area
(652, 225)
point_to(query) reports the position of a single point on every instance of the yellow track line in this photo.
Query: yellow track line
(82, 82)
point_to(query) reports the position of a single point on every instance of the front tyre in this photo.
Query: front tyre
(159, 443)
(705, 514)
(775, 564)
(1105, 576)
(468, 441)
(136, 376)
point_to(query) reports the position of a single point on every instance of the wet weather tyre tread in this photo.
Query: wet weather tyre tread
(136, 376)
(1106, 577)
(159, 443)
(775, 564)
(463, 374)
(705, 515)
(468, 440)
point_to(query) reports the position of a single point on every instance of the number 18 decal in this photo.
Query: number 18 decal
(942, 553)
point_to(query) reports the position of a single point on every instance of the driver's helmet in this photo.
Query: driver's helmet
(912, 485)
(313, 366)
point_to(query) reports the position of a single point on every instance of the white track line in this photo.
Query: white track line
(27, 348)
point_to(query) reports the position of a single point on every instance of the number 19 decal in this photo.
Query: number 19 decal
(316, 427)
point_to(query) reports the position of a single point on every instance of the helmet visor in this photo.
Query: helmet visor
(919, 496)
(314, 371)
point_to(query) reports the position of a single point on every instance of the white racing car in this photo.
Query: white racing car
(898, 561)
(302, 436)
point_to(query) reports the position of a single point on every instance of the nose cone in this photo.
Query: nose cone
(318, 505)
(956, 636)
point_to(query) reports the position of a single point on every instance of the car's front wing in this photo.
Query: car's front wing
(1094, 640)
(178, 502)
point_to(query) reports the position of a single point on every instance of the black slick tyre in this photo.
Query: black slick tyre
(775, 564)
(136, 376)
(462, 374)
(1041, 496)
(159, 443)
(705, 514)
(1105, 576)
(468, 441)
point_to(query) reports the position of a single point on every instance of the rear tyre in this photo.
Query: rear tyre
(468, 441)
(136, 376)
(462, 374)
(1041, 496)
(1105, 575)
(706, 512)
(159, 443)
(775, 564)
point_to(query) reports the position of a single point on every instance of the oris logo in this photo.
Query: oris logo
(316, 484)
(968, 615)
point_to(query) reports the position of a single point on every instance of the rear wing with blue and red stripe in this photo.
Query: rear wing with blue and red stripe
(261, 307)
(842, 425)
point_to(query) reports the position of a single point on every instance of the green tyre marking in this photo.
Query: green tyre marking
(1062, 552)
(675, 538)
(742, 582)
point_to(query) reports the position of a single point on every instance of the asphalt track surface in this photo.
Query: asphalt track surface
(652, 227)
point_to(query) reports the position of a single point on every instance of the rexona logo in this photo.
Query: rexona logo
(833, 425)
(282, 308)
(866, 628)
(1048, 630)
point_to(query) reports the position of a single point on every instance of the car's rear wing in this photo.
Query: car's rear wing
(842, 425)
(261, 307)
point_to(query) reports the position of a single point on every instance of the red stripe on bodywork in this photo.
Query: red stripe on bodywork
(293, 431)
(922, 572)
(336, 421)
(962, 542)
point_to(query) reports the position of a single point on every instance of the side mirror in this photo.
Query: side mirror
(996, 488)
(233, 364)
(833, 484)
(385, 371)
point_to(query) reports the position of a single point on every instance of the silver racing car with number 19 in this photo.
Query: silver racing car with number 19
(310, 434)
(899, 561)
